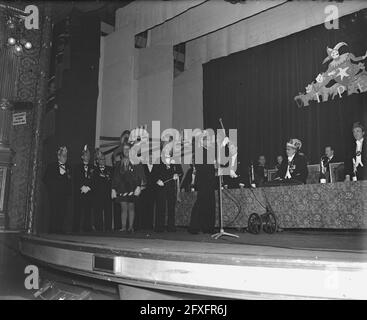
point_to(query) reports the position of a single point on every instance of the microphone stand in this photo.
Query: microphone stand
(221, 232)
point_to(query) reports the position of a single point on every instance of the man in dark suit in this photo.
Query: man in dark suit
(293, 169)
(356, 162)
(203, 212)
(326, 159)
(101, 185)
(261, 171)
(167, 180)
(83, 193)
(278, 161)
(58, 180)
(147, 200)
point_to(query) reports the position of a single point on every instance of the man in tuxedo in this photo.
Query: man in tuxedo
(293, 169)
(261, 171)
(203, 212)
(167, 180)
(102, 204)
(83, 193)
(279, 161)
(58, 180)
(147, 201)
(356, 162)
(326, 159)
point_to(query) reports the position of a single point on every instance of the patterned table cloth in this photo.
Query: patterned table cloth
(333, 205)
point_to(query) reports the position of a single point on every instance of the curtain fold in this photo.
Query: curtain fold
(254, 91)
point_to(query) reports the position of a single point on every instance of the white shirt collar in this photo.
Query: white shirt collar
(291, 158)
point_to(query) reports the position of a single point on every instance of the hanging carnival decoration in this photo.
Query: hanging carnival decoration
(345, 73)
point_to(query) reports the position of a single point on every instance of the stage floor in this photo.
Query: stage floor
(323, 240)
(289, 264)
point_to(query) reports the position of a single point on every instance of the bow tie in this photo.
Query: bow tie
(62, 168)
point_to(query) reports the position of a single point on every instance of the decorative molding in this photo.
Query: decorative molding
(34, 191)
(25, 140)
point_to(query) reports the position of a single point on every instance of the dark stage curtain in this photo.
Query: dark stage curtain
(254, 90)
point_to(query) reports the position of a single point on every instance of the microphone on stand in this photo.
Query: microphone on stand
(220, 198)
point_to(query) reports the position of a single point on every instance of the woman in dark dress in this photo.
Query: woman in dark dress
(127, 181)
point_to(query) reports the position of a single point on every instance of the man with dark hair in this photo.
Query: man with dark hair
(356, 162)
(102, 202)
(147, 202)
(203, 212)
(58, 181)
(167, 178)
(279, 161)
(326, 159)
(83, 185)
(261, 171)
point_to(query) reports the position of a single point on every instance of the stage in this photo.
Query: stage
(292, 264)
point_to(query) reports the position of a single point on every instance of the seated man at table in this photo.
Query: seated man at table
(293, 169)
(261, 171)
(326, 159)
(279, 161)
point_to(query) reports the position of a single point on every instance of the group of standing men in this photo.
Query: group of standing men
(145, 193)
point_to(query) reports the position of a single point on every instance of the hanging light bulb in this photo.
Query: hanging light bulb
(11, 41)
(28, 45)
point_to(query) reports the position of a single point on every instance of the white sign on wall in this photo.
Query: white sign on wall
(19, 118)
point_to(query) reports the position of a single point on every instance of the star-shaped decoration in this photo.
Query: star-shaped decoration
(343, 72)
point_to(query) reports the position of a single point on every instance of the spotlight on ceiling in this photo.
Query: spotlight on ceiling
(28, 45)
(11, 41)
